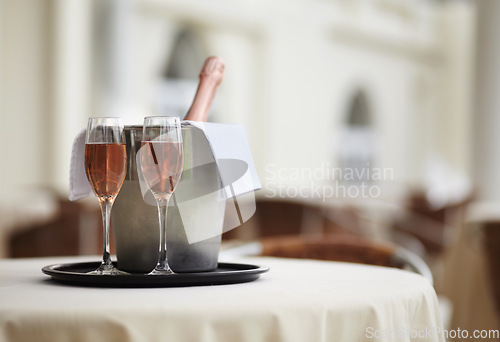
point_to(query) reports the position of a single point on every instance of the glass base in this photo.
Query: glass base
(105, 269)
(161, 271)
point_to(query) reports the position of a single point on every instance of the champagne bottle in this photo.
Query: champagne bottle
(211, 76)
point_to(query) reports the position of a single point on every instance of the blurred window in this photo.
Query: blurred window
(176, 90)
(356, 154)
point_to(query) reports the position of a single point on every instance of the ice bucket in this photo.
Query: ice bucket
(196, 204)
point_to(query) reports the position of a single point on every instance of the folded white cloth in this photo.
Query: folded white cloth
(230, 148)
(79, 186)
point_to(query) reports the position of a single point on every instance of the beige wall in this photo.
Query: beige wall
(44, 89)
(291, 67)
(290, 75)
(25, 93)
(487, 102)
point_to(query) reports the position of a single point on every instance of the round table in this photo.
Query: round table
(297, 300)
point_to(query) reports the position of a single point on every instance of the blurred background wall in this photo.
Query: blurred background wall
(295, 70)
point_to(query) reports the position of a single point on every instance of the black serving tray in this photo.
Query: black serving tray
(226, 273)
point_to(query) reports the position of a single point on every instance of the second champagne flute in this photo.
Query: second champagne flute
(161, 160)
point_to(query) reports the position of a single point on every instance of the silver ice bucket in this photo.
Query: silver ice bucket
(196, 204)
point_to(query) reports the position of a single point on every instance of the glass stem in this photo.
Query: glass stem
(106, 204)
(162, 204)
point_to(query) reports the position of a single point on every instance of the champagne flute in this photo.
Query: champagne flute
(161, 162)
(105, 166)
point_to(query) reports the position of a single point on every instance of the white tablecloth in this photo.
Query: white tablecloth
(297, 300)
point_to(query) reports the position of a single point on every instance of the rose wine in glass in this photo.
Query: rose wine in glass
(162, 166)
(161, 161)
(106, 167)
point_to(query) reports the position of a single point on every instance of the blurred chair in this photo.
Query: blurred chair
(347, 249)
(342, 219)
(74, 230)
(435, 228)
(469, 277)
(273, 218)
(491, 241)
(290, 217)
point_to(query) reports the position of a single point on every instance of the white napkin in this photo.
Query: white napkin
(238, 176)
(237, 172)
(79, 186)
(229, 143)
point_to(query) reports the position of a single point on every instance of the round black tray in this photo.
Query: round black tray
(226, 273)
